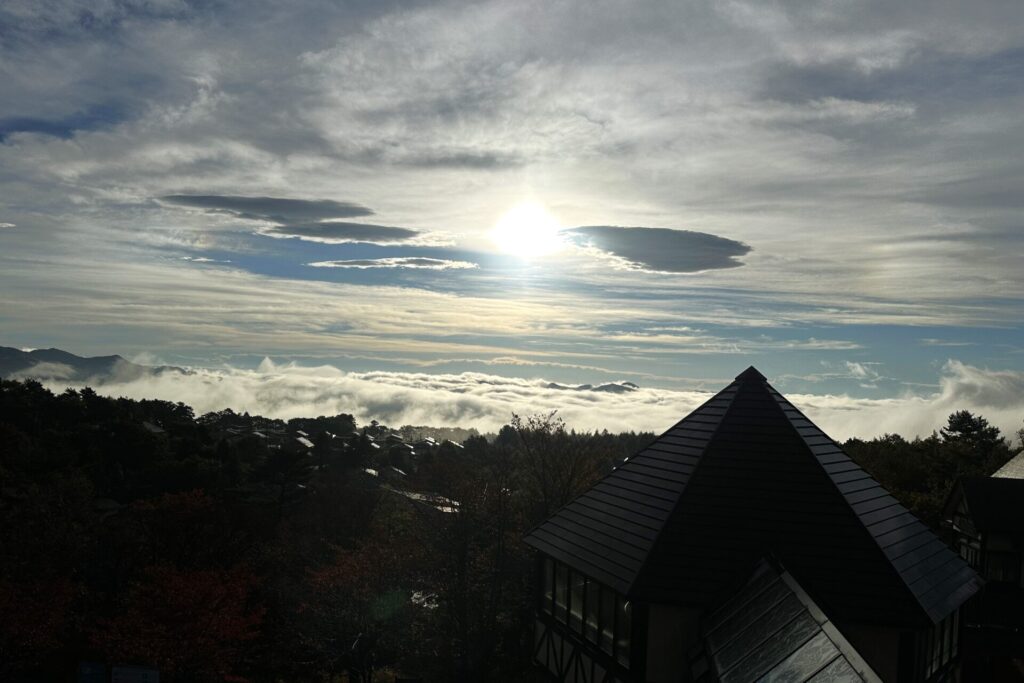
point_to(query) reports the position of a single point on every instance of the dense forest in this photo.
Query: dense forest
(234, 547)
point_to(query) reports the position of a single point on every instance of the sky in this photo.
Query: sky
(435, 200)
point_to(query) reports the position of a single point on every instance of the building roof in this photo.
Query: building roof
(1013, 469)
(994, 504)
(747, 475)
(772, 630)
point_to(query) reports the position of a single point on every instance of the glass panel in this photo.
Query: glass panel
(623, 630)
(592, 611)
(933, 651)
(549, 585)
(956, 632)
(947, 639)
(561, 586)
(577, 584)
(607, 620)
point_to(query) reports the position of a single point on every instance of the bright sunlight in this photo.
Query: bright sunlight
(528, 230)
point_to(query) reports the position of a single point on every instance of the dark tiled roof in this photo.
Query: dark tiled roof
(1014, 469)
(744, 476)
(609, 531)
(995, 504)
(771, 630)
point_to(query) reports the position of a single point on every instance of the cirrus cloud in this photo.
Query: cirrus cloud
(414, 262)
(338, 232)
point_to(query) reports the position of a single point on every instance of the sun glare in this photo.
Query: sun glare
(527, 230)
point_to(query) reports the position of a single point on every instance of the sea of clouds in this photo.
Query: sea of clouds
(486, 401)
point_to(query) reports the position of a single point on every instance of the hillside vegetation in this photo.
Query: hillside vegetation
(233, 547)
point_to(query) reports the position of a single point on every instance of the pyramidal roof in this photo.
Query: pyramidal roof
(747, 475)
(1013, 469)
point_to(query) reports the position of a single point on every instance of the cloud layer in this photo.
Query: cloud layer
(338, 232)
(867, 152)
(486, 401)
(277, 209)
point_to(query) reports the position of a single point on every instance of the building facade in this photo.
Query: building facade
(746, 503)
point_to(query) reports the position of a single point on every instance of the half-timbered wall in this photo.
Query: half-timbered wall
(584, 630)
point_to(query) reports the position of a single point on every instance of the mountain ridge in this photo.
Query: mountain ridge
(57, 364)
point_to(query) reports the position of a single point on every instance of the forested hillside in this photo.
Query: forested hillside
(233, 547)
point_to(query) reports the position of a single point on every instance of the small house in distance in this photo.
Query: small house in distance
(744, 545)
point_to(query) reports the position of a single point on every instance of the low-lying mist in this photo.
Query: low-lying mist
(486, 402)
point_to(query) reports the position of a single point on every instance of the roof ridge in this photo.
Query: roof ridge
(741, 379)
(782, 402)
(626, 459)
(539, 535)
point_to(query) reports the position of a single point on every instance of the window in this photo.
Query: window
(591, 611)
(969, 553)
(941, 644)
(548, 580)
(577, 587)
(623, 628)
(607, 621)
(953, 624)
(561, 591)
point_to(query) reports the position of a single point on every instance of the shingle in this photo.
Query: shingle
(745, 475)
(777, 633)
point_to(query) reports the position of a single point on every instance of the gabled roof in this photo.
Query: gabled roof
(1013, 469)
(994, 504)
(744, 476)
(772, 630)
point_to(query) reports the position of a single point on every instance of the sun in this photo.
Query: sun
(528, 230)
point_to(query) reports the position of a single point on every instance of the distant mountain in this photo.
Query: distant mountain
(613, 388)
(55, 364)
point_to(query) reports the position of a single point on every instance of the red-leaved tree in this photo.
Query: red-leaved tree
(191, 624)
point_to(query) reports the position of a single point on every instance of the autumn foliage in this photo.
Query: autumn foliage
(189, 622)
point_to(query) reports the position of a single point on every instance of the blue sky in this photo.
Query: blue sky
(575, 192)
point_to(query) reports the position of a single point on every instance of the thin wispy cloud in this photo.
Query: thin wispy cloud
(415, 263)
(337, 232)
(277, 209)
(846, 174)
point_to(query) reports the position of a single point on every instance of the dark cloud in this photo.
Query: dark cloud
(276, 209)
(340, 231)
(926, 77)
(661, 249)
(93, 118)
(306, 219)
(481, 161)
